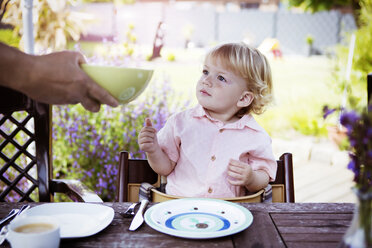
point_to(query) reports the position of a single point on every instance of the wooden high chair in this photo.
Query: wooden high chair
(133, 172)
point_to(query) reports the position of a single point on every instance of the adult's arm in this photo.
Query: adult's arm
(54, 78)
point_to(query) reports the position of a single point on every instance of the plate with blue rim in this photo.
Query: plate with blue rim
(198, 218)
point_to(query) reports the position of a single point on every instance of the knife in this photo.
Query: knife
(138, 218)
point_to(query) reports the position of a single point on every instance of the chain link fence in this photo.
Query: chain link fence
(210, 25)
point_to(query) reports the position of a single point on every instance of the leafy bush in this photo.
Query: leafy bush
(362, 62)
(7, 37)
(86, 145)
(308, 125)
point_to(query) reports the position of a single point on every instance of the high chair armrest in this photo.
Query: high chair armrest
(74, 189)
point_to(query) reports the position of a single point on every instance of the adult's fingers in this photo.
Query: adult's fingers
(90, 104)
(101, 95)
(80, 58)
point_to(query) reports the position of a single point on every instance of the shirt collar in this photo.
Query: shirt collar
(245, 121)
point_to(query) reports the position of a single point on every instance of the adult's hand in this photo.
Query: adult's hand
(55, 78)
(67, 83)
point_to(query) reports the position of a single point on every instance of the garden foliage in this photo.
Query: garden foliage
(362, 62)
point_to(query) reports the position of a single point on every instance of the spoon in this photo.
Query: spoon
(11, 214)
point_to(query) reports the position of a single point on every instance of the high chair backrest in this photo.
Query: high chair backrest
(133, 172)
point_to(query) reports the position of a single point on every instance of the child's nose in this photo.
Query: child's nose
(207, 81)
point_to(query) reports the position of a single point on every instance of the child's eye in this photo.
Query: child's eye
(205, 72)
(221, 78)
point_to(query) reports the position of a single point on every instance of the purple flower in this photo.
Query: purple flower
(348, 119)
(353, 142)
(369, 154)
(327, 111)
(351, 165)
(369, 132)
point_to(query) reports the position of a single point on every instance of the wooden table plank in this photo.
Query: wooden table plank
(261, 233)
(315, 230)
(310, 216)
(312, 245)
(305, 237)
(323, 225)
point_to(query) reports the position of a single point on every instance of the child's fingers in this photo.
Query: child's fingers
(235, 182)
(234, 175)
(148, 122)
(146, 131)
(146, 139)
(235, 167)
(236, 164)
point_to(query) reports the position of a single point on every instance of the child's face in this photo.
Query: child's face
(222, 91)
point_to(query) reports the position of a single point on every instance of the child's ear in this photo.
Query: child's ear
(246, 99)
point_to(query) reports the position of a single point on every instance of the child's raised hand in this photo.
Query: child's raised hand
(240, 172)
(147, 139)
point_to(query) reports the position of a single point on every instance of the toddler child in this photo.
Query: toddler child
(217, 149)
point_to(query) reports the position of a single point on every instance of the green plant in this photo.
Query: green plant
(55, 22)
(171, 57)
(308, 124)
(309, 39)
(356, 97)
(8, 37)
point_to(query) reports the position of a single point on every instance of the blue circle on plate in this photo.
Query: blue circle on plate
(197, 222)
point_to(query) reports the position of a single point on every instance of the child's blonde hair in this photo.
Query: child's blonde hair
(251, 65)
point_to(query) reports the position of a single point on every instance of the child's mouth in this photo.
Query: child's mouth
(204, 92)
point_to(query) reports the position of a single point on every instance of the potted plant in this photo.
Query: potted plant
(309, 42)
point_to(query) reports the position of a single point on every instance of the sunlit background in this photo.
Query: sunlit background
(308, 43)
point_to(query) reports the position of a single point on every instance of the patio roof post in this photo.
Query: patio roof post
(28, 28)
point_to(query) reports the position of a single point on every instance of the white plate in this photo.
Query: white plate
(76, 219)
(198, 218)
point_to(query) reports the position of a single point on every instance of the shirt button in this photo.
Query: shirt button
(213, 158)
(210, 190)
(221, 130)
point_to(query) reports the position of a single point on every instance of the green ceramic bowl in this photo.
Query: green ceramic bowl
(125, 84)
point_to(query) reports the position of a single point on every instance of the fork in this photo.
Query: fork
(130, 211)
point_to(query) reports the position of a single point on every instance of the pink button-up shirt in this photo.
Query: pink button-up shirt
(202, 147)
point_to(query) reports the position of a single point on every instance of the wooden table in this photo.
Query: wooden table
(274, 225)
